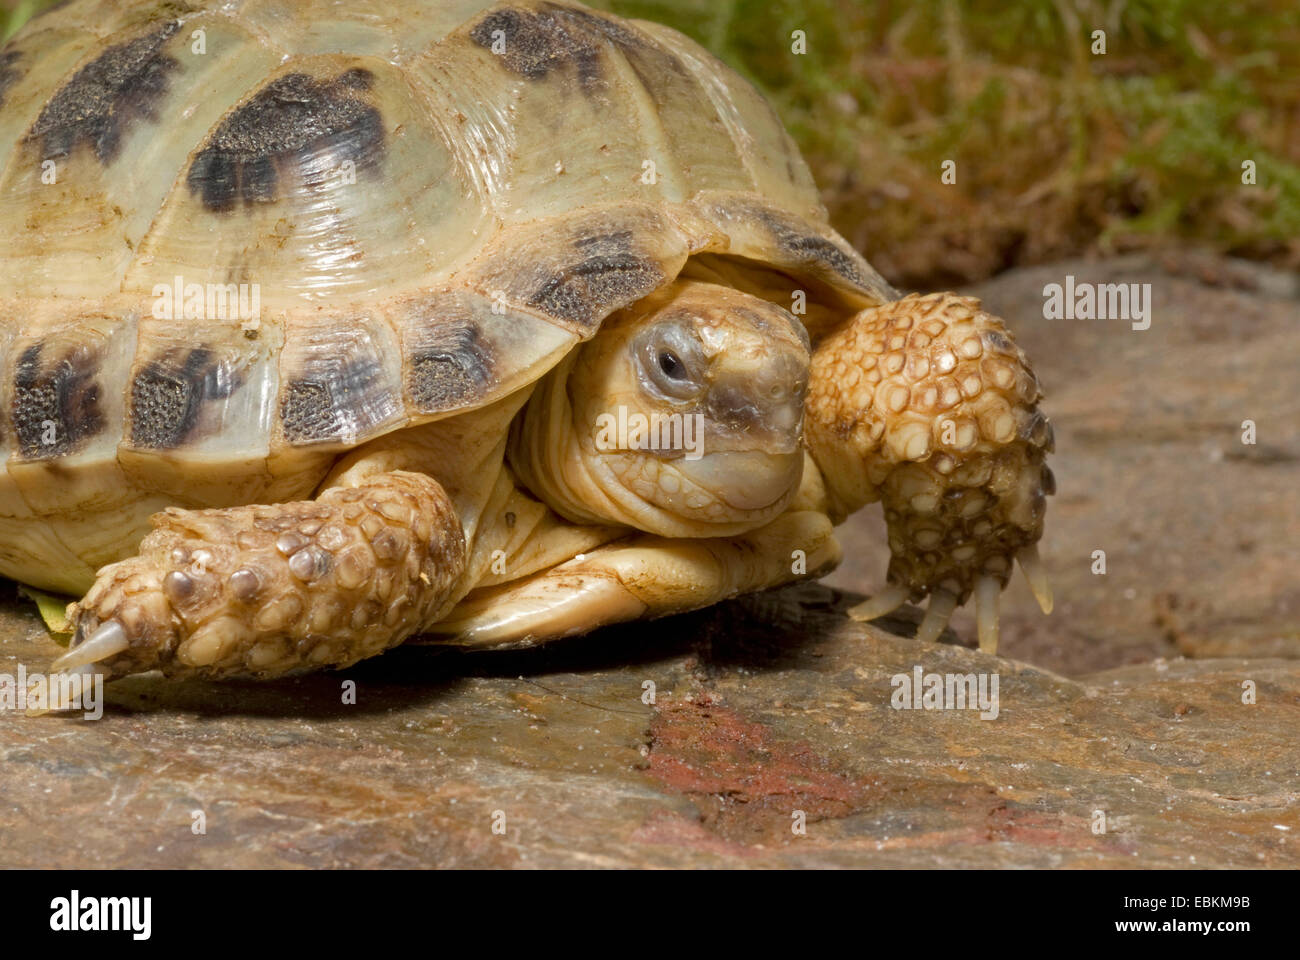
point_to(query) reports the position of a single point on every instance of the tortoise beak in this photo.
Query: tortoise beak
(745, 480)
(759, 406)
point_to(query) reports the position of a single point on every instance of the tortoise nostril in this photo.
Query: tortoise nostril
(756, 406)
(732, 405)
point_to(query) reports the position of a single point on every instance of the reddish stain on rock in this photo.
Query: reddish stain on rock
(746, 783)
(1057, 831)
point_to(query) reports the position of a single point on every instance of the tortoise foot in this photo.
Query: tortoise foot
(262, 591)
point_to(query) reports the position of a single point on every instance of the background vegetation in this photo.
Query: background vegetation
(1058, 151)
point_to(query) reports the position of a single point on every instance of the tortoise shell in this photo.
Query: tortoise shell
(241, 237)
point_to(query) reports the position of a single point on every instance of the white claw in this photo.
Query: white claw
(986, 612)
(886, 601)
(942, 604)
(107, 641)
(1036, 575)
(88, 674)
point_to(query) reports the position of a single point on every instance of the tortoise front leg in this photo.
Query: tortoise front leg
(261, 591)
(928, 405)
(643, 576)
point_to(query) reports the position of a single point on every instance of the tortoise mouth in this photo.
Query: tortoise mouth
(745, 481)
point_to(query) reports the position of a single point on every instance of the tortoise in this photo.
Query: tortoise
(326, 326)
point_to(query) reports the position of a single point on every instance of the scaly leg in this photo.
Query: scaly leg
(928, 405)
(261, 591)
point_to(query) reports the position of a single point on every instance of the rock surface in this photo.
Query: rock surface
(763, 707)
(777, 704)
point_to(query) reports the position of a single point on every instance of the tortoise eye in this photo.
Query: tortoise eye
(669, 359)
(672, 366)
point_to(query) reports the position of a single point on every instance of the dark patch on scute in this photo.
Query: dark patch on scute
(308, 413)
(294, 126)
(358, 78)
(812, 248)
(168, 393)
(97, 107)
(440, 382)
(451, 367)
(9, 72)
(326, 404)
(63, 394)
(538, 42)
(607, 274)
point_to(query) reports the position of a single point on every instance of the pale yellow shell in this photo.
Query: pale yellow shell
(432, 202)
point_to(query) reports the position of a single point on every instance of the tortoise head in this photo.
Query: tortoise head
(683, 417)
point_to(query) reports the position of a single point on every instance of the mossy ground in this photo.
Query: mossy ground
(1058, 150)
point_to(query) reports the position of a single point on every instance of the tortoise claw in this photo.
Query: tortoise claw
(942, 604)
(987, 590)
(886, 601)
(108, 640)
(1032, 564)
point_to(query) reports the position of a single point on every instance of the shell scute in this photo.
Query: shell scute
(452, 368)
(772, 235)
(586, 266)
(202, 389)
(57, 208)
(63, 374)
(327, 184)
(168, 393)
(106, 97)
(372, 28)
(532, 41)
(607, 269)
(462, 349)
(340, 382)
(64, 390)
(56, 400)
(33, 64)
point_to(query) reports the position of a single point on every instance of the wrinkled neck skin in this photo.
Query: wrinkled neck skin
(683, 417)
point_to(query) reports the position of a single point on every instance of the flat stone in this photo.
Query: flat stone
(768, 712)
